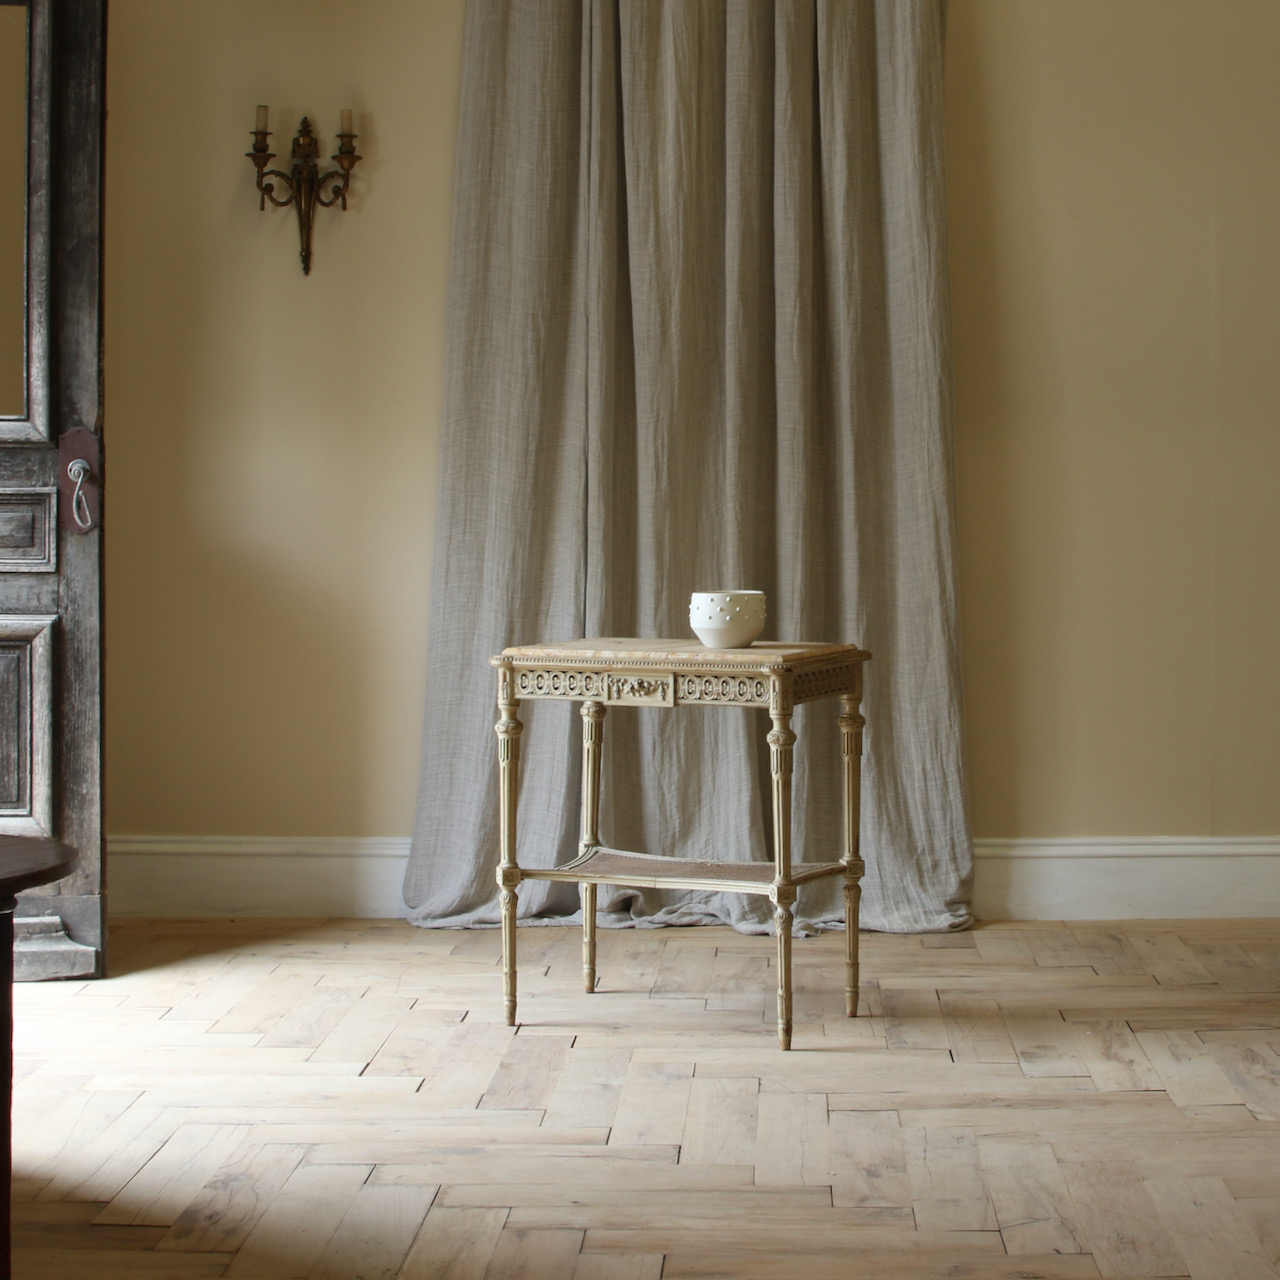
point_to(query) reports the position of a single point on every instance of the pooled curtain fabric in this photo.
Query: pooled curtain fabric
(697, 339)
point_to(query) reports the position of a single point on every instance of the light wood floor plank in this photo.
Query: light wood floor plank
(1231, 967)
(103, 1165)
(215, 997)
(375, 1234)
(1253, 1072)
(791, 1130)
(1212, 1234)
(472, 1165)
(1187, 1070)
(414, 1049)
(868, 1160)
(51, 1138)
(746, 1237)
(1263, 1215)
(1170, 961)
(976, 1030)
(227, 1208)
(464, 1064)
(741, 981)
(67, 1225)
(1113, 1057)
(1032, 1204)
(913, 1018)
(626, 961)
(115, 1264)
(685, 972)
(652, 1106)
(604, 1266)
(638, 1210)
(626, 1178)
(691, 1264)
(649, 1166)
(527, 1073)
(361, 1032)
(289, 1238)
(1119, 1222)
(1002, 946)
(588, 1087)
(454, 1244)
(948, 1190)
(1046, 1045)
(720, 1122)
(312, 1016)
(165, 1185)
(1108, 950)
(266, 1003)
(534, 1255)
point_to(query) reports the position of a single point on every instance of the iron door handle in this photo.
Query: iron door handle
(79, 480)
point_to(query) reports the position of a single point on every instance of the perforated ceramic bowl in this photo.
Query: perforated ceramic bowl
(726, 619)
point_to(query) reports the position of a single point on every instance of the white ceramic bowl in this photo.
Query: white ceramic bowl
(726, 619)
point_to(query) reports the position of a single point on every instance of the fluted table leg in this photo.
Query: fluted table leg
(508, 730)
(783, 895)
(592, 751)
(588, 892)
(783, 898)
(851, 753)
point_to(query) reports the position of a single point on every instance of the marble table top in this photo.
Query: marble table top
(763, 655)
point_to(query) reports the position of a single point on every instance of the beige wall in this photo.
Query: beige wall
(13, 159)
(1115, 188)
(271, 438)
(1114, 171)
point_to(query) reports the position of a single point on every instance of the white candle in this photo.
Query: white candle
(346, 120)
(261, 126)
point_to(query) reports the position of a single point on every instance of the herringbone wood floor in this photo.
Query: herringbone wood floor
(340, 1099)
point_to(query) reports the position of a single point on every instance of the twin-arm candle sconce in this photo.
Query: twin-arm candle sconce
(305, 185)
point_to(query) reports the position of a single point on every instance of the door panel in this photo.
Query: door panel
(50, 590)
(28, 531)
(26, 741)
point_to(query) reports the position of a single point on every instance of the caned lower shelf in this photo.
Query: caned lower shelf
(600, 865)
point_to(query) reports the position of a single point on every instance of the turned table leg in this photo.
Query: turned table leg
(592, 750)
(508, 730)
(783, 898)
(588, 892)
(783, 894)
(851, 752)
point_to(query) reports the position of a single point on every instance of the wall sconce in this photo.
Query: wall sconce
(305, 185)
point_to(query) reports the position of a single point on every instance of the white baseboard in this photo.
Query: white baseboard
(316, 877)
(1127, 878)
(1081, 879)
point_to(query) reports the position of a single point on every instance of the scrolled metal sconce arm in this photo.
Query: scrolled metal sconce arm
(305, 186)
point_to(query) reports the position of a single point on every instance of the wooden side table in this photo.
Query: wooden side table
(25, 862)
(602, 673)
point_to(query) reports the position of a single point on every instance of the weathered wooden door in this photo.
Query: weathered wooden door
(51, 64)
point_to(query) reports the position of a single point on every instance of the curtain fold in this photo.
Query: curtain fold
(697, 338)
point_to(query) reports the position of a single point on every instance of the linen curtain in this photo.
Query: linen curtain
(697, 339)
